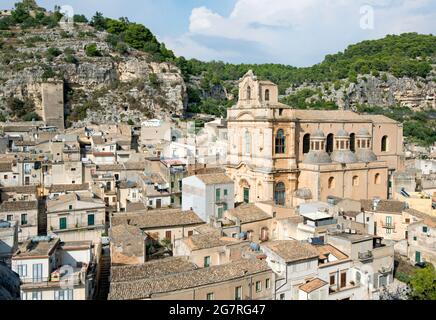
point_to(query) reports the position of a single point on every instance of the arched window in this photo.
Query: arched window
(248, 93)
(332, 183)
(330, 143)
(306, 143)
(353, 142)
(385, 144)
(355, 181)
(280, 142)
(377, 179)
(279, 194)
(267, 95)
(247, 142)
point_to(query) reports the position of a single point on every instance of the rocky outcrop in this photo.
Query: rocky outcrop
(126, 85)
(383, 91)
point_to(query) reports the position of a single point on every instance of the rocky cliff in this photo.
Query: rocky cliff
(382, 91)
(102, 84)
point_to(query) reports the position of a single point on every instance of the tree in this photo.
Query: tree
(423, 284)
(80, 18)
(98, 21)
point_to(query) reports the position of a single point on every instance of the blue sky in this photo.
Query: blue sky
(296, 32)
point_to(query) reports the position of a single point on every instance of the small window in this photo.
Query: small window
(280, 142)
(168, 235)
(258, 286)
(226, 192)
(9, 217)
(24, 219)
(267, 95)
(377, 179)
(355, 181)
(218, 194)
(5, 177)
(207, 262)
(332, 279)
(73, 169)
(190, 233)
(415, 238)
(332, 183)
(267, 283)
(385, 144)
(91, 219)
(306, 143)
(210, 296)
(238, 293)
(282, 296)
(62, 223)
(70, 207)
(425, 229)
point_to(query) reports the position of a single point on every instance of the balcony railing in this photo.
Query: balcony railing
(391, 226)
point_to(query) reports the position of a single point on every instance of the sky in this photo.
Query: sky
(293, 32)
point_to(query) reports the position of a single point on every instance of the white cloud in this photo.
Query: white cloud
(302, 32)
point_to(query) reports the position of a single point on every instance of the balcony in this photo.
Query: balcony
(391, 226)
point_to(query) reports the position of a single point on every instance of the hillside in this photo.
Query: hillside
(116, 70)
(105, 78)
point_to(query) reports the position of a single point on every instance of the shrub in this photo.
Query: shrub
(92, 50)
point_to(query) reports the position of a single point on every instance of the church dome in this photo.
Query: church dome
(317, 157)
(342, 134)
(318, 134)
(365, 155)
(343, 156)
(363, 133)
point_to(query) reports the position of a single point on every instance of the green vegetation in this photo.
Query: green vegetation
(92, 50)
(22, 109)
(423, 284)
(299, 100)
(409, 54)
(80, 18)
(135, 35)
(419, 126)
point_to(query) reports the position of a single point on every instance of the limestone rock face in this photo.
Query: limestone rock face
(415, 94)
(126, 86)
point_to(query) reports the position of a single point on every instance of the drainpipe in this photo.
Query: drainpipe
(275, 284)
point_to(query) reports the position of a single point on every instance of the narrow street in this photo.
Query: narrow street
(103, 281)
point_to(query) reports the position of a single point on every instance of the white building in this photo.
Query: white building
(8, 240)
(53, 270)
(208, 195)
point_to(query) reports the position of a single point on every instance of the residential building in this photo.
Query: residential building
(178, 279)
(53, 270)
(76, 217)
(209, 195)
(25, 214)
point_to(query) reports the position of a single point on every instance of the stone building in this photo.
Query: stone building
(276, 151)
(52, 111)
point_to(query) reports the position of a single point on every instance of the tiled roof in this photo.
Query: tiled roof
(12, 206)
(427, 219)
(68, 187)
(313, 285)
(209, 240)
(31, 249)
(216, 178)
(158, 218)
(153, 269)
(292, 250)
(109, 167)
(144, 288)
(5, 166)
(247, 213)
(390, 206)
(326, 250)
(19, 189)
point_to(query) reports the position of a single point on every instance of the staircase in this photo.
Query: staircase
(104, 274)
(42, 217)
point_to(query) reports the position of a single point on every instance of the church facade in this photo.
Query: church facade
(279, 153)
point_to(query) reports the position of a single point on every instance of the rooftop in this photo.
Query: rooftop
(152, 269)
(313, 285)
(390, 206)
(353, 238)
(12, 206)
(158, 218)
(35, 248)
(247, 213)
(145, 288)
(68, 187)
(216, 178)
(292, 250)
(19, 189)
(209, 240)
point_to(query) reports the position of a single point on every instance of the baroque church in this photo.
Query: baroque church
(277, 153)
